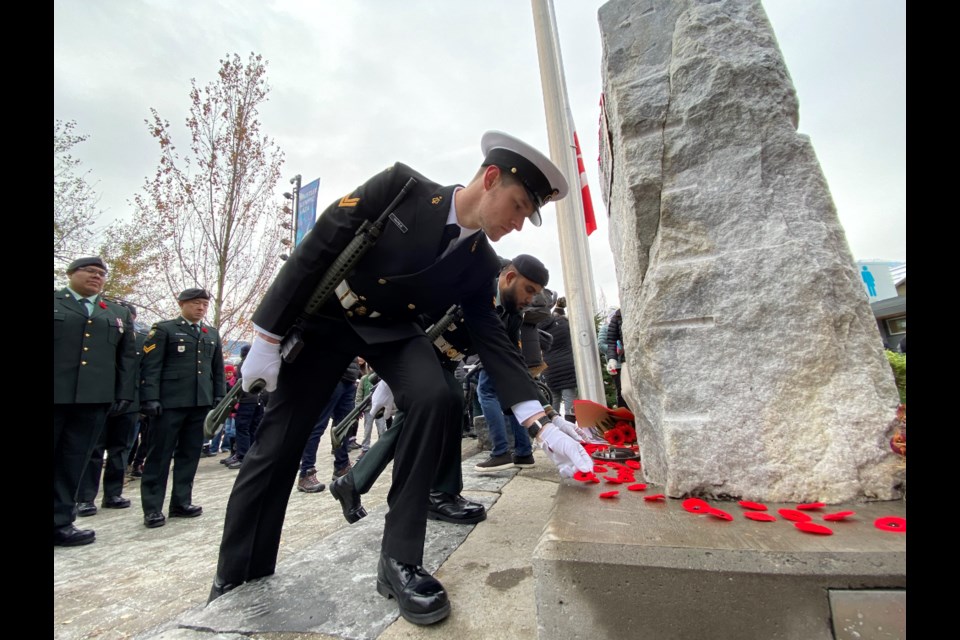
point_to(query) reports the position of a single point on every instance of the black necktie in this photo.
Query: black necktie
(196, 330)
(450, 233)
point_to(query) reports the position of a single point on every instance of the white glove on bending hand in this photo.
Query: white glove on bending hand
(261, 363)
(613, 366)
(565, 452)
(569, 428)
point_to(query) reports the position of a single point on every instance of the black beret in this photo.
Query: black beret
(531, 269)
(193, 294)
(244, 350)
(92, 261)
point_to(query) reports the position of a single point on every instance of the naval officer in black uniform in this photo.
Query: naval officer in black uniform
(94, 364)
(181, 378)
(433, 252)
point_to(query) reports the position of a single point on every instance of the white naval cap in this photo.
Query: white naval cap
(542, 179)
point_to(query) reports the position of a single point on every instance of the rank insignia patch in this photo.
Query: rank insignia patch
(347, 201)
(436, 199)
(147, 348)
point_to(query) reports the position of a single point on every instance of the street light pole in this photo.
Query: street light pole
(294, 199)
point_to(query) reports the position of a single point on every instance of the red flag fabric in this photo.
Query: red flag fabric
(588, 216)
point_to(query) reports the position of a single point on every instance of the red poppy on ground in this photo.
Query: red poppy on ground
(839, 515)
(795, 516)
(626, 477)
(811, 505)
(614, 437)
(633, 464)
(599, 468)
(719, 513)
(583, 476)
(655, 498)
(609, 494)
(204, 329)
(756, 506)
(891, 523)
(613, 480)
(615, 465)
(759, 516)
(629, 433)
(592, 448)
(695, 505)
(103, 305)
(637, 487)
(812, 527)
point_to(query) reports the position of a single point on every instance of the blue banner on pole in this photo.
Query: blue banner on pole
(306, 209)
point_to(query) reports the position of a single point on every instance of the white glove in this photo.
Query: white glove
(569, 428)
(261, 363)
(382, 399)
(565, 452)
(613, 366)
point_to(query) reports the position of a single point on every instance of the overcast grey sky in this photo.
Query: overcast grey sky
(359, 85)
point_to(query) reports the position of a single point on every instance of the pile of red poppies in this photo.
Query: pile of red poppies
(622, 434)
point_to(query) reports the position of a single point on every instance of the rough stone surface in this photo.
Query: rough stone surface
(757, 368)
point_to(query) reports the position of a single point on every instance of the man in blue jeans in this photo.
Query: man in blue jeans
(517, 283)
(340, 404)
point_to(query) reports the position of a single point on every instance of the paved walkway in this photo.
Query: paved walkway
(135, 582)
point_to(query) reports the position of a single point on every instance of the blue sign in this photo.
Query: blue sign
(306, 209)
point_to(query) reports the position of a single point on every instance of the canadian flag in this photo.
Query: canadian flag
(588, 216)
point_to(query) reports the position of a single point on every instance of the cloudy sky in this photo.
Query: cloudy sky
(358, 85)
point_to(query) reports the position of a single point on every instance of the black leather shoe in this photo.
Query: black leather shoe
(115, 502)
(189, 511)
(421, 597)
(154, 520)
(455, 509)
(345, 492)
(70, 536)
(219, 588)
(85, 509)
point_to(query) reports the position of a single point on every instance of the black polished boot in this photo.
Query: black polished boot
(219, 588)
(345, 492)
(420, 596)
(455, 509)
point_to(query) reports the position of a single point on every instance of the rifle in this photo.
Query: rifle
(364, 239)
(219, 414)
(339, 431)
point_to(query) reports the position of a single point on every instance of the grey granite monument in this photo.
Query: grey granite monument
(756, 365)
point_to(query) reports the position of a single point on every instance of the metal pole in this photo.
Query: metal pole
(295, 181)
(574, 251)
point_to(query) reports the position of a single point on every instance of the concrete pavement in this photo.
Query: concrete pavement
(135, 582)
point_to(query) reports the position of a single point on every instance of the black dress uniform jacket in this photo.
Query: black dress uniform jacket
(401, 278)
(94, 358)
(179, 368)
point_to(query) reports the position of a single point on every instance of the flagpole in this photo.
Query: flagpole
(574, 250)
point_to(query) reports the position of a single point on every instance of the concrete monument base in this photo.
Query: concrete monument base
(627, 568)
